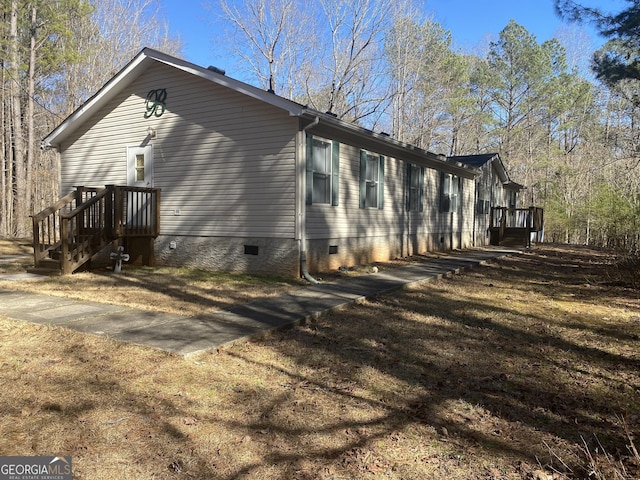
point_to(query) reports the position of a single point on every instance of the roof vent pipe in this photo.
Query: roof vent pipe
(216, 70)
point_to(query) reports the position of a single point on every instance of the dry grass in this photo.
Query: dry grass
(15, 247)
(182, 291)
(174, 290)
(524, 369)
(20, 247)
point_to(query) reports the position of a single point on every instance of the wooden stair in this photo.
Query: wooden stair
(67, 235)
(515, 237)
(48, 267)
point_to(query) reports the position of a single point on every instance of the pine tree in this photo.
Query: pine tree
(619, 60)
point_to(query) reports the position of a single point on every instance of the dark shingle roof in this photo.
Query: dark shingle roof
(476, 161)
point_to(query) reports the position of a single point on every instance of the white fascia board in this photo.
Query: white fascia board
(497, 163)
(509, 184)
(123, 78)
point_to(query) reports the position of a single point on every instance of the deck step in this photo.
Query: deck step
(514, 240)
(511, 237)
(49, 263)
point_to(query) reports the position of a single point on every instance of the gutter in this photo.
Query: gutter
(303, 223)
(386, 145)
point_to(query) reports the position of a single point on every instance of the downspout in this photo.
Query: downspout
(303, 223)
(475, 211)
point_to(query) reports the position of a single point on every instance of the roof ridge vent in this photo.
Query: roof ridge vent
(216, 70)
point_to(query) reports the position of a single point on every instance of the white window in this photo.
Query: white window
(415, 186)
(371, 180)
(321, 159)
(323, 164)
(449, 192)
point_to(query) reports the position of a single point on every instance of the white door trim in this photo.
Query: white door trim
(133, 153)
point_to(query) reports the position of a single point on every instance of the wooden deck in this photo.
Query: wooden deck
(515, 226)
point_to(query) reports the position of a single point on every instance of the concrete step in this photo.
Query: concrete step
(48, 267)
(49, 272)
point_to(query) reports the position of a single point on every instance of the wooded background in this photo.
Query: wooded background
(570, 138)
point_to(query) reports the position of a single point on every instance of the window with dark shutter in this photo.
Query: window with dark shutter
(450, 198)
(415, 186)
(323, 164)
(371, 180)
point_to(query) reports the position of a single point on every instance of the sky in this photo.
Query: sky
(472, 23)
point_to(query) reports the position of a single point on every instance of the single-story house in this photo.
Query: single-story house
(254, 182)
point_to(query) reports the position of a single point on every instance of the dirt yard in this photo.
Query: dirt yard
(528, 368)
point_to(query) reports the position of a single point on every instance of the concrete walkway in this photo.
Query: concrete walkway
(190, 336)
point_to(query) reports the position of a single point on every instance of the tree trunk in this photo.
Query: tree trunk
(30, 111)
(19, 207)
(4, 143)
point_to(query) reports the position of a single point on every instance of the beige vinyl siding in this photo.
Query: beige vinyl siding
(432, 221)
(490, 182)
(498, 195)
(348, 220)
(225, 162)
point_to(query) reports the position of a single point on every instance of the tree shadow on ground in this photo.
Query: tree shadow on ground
(421, 383)
(489, 375)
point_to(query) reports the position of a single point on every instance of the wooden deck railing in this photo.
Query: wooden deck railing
(84, 222)
(525, 220)
(84, 231)
(136, 211)
(531, 218)
(47, 223)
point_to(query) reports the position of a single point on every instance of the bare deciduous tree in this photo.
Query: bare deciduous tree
(270, 40)
(348, 77)
(326, 54)
(18, 157)
(419, 55)
(105, 41)
(53, 56)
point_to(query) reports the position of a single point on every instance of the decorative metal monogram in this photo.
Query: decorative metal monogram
(155, 103)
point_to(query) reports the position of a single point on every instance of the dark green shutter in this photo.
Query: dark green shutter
(335, 172)
(381, 184)
(309, 168)
(421, 190)
(408, 202)
(442, 199)
(363, 179)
